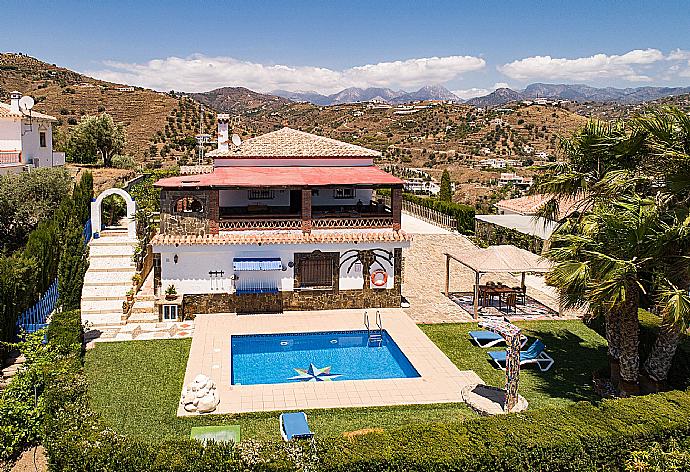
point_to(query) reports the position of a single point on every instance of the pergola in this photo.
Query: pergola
(505, 259)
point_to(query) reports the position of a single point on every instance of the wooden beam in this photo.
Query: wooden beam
(447, 275)
(476, 295)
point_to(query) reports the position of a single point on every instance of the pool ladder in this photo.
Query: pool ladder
(374, 336)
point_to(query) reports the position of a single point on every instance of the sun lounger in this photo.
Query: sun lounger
(485, 338)
(294, 426)
(534, 355)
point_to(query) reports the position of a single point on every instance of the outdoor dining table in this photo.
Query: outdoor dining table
(495, 290)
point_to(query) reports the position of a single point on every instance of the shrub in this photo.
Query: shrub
(463, 214)
(65, 331)
(123, 162)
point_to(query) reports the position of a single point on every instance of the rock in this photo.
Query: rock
(208, 403)
(200, 395)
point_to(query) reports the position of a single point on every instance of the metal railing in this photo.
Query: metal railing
(10, 157)
(259, 223)
(36, 317)
(353, 222)
(424, 213)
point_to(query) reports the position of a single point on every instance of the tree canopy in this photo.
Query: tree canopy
(96, 136)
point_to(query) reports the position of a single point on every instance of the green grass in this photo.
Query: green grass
(577, 350)
(135, 386)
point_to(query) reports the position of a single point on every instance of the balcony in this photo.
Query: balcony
(12, 158)
(321, 219)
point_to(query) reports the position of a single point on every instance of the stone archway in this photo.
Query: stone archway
(96, 212)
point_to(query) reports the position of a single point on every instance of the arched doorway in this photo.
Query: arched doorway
(96, 211)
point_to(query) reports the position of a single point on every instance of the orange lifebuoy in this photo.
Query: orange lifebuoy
(379, 278)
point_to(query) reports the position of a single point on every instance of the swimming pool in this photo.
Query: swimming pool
(315, 357)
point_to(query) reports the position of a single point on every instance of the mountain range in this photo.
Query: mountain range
(577, 93)
(355, 94)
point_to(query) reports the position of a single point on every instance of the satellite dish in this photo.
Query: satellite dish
(236, 140)
(26, 102)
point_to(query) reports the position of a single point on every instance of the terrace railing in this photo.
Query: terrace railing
(380, 221)
(10, 157)
(424, 213)
(259, 223)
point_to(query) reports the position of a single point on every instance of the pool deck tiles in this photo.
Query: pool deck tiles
(440, 382)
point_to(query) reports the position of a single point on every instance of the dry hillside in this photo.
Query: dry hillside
(68, 96)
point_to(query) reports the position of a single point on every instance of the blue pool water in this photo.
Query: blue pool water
(274, 358)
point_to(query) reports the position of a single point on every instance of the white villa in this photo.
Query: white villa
(26, 138)
(286, 221)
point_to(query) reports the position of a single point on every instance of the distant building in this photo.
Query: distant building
(498, 163)
(420, 185)
(26, 138)
(125, 89)
(529, 205)
(516, 180)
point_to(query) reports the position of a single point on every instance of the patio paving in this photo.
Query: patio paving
(440, 382)
(424, 280)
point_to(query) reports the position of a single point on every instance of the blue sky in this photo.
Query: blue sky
(470, 47)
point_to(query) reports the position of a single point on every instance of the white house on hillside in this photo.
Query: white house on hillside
(26, 138)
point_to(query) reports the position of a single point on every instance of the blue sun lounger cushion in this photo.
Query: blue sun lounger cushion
(294, 426)
(485, 338)
(534, 355)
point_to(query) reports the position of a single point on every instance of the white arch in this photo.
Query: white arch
(96, 212)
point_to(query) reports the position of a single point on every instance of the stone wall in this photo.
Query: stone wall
(199, 223)
(286, 301)
(330, 299)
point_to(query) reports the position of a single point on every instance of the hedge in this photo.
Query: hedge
(463, 214)
(581, 437)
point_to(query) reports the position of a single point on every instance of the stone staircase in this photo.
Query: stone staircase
(12, 364)
(108, 278)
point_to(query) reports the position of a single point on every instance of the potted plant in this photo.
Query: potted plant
(130, 295)
(136, 279)
(170, 292)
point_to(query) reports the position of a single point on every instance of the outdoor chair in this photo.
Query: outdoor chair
(521, 294)
(535, 354)
(295, 426)
(511, 302)
(487, 339)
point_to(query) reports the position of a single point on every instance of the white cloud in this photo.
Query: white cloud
(598, 66)
(201, 73)
(466, 94)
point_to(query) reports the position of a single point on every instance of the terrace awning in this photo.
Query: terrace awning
(257, 263)
(503, 258)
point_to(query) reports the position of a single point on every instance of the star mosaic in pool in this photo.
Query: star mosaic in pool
(314, 374)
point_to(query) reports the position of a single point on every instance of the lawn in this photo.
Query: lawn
(135, 385)
(577, 350)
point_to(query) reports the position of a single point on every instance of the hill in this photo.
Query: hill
(239, 100)
(578, 93)
(156, 123)
(358, 95)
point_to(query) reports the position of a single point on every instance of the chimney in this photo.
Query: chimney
(223, 138)
(14, 101)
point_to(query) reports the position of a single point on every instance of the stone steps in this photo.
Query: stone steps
(111, 250)
(110, 278)
(101, 306)
(13, 363)
(105, 292)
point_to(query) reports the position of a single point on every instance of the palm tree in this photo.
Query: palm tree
(609, 165)
(600, 263)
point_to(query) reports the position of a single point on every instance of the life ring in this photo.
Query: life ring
(379, 278)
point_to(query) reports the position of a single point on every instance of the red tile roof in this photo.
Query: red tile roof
(530, 204)
(292, 143)
(284, 237)
(253, 177)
